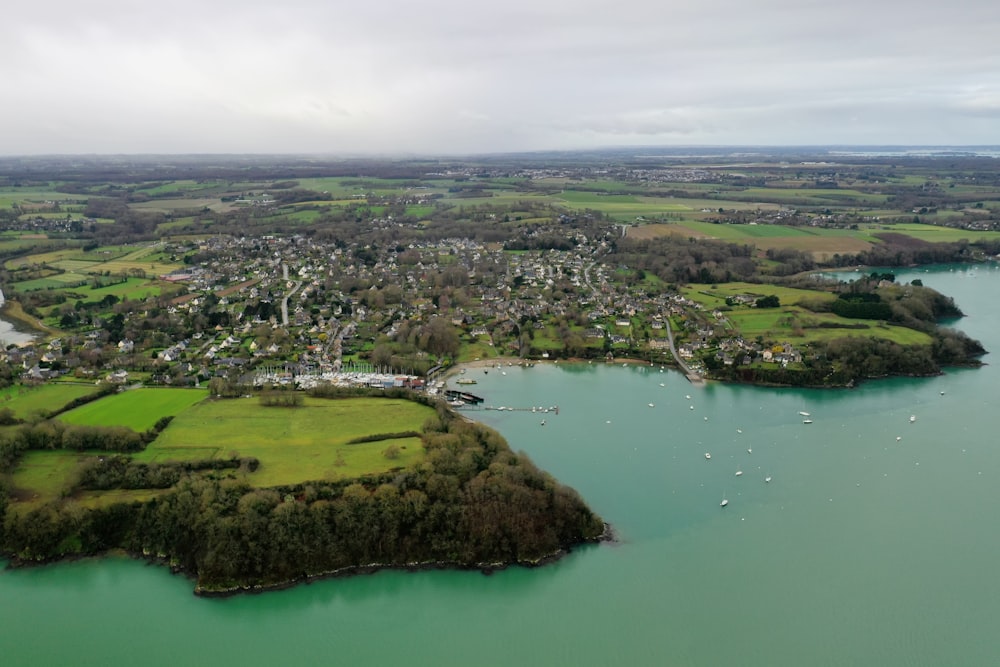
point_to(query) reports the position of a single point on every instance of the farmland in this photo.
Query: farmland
(293, 445)
(792, 322)
(29, 401)
(138, 409)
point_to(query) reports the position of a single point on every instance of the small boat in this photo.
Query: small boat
(739, 430)
(898, 438)
(465, 381)
(807, 421)
(707, 455)
(749, 450)
(767, 479)
(804, 414)
(739, 473)
(913, 418)
(543, 422)
(723, 503)
(662, 385)
(687, 396)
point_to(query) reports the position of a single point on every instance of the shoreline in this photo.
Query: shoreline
(486, 568)
(12, 312)
(456, 369)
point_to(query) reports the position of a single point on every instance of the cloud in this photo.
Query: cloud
(448, 76)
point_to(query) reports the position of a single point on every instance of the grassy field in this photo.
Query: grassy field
(138, 409)
(791, 322)
(41, 476)
(820, 242)
(295, 444)
(27, 402)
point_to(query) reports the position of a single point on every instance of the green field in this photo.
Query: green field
(41, 476)
(292, 444)
(295, 444)
(791, 322)
(138, 409)
(27, 402)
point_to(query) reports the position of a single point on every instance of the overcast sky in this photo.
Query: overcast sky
(460, 76)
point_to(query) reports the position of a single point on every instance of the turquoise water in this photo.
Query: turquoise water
(863, 549)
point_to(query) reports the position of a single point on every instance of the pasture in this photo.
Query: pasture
(41, 476)
(821, 242)
(792, 322)
(27, 402)
(295, 444)
(137, 409)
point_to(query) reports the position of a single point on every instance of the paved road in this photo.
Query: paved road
(692, 375)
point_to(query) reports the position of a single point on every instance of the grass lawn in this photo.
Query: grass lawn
(41, 476)
(295, 444)
(480, 349)
(28, 401)
(138, 409)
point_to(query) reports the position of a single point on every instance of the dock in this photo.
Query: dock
(536, 409)
(463, 396)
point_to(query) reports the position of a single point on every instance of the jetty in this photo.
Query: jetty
(536, 409)
(463, 396)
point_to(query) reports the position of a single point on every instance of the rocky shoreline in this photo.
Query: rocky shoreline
(608, 535)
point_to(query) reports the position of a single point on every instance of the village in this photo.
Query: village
(296, 311)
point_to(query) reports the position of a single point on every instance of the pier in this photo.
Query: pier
(463, 396)
(536, 409)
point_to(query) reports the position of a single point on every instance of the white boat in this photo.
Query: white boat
(723, 503)
(739, 473)
(651, 405)
(749, 450)
(913, 418)
(804, 414)
(707, 455)
(807, 421)
(687, 396)
(767, 479)
(543, 422)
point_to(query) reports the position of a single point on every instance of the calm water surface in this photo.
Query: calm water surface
(864, 549)
(13, 332)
